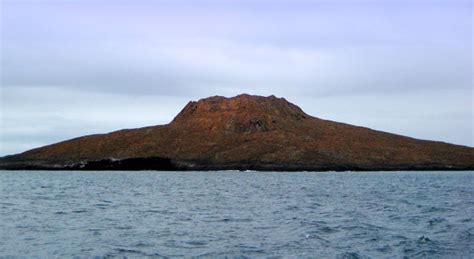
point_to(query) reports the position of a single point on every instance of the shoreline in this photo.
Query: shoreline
(166, 164)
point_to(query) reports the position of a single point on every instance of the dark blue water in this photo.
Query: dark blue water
(245, 214)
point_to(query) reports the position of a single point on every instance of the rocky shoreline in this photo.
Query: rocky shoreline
(166, 164)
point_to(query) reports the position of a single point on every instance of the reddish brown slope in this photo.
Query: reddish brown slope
(252, 132)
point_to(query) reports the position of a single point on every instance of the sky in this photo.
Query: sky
(74, 67)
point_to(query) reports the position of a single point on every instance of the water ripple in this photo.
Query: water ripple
(237, 214)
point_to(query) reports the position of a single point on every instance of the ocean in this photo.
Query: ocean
(237, 214)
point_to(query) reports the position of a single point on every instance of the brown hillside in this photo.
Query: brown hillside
(248, 132)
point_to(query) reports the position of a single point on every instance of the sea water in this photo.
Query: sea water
(241, 214)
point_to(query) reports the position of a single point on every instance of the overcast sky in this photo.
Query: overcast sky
(76, 67)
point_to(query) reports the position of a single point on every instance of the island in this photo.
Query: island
(245, 132)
